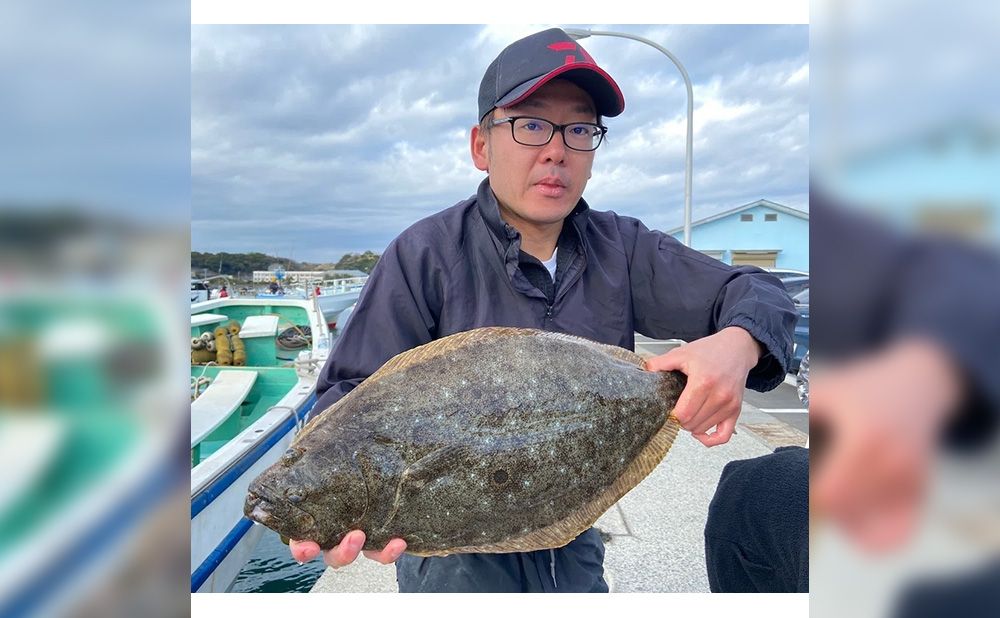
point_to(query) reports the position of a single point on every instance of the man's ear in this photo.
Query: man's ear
(479, 148)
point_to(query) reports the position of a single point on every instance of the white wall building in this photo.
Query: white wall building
(291, 276)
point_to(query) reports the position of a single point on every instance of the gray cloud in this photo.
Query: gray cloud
(316, 140)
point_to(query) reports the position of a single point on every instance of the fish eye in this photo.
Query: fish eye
(500, 477)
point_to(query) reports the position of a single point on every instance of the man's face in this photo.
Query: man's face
(537, 185)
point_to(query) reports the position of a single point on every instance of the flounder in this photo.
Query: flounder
(492, 440)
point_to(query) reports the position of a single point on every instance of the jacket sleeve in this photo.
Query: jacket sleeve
(678, 292)
(398, 310)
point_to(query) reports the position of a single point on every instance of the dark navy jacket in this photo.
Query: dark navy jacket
(462, 268)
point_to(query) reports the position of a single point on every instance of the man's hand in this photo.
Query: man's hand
(882, 416)
(716, 368)
(347, 551)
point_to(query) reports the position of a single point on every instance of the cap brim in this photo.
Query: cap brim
(599, 85)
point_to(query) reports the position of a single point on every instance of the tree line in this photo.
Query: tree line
(243, 264)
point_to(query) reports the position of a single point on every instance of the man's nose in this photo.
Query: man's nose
(555, 150)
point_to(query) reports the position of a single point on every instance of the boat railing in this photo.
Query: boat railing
(342, 286)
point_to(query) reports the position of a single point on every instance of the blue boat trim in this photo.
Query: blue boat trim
(202, 499)
(79, 555)
(214, 559)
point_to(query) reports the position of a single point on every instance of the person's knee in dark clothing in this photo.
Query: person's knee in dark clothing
(757, 533)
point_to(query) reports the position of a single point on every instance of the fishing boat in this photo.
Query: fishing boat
(244, 416)
(334, 296)
(199, 291)
(338, 296)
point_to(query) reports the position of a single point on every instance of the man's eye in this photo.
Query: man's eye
(581, 130)
(532, 126)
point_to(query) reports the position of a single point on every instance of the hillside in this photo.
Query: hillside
(242, 264)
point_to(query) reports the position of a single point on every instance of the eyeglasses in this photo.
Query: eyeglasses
(583, 136)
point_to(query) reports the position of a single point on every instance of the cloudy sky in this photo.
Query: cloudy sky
(312, 141)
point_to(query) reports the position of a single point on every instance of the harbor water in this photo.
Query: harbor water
(272, 569)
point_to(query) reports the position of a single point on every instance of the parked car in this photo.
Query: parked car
(801, 336)
(802, 380)
(786, 273)
(794, 285)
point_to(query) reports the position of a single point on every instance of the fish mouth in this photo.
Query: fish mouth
(278, 515)
(261, 514)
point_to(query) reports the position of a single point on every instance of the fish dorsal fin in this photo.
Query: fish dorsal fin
(314, 421)
(611, 350)
(440, 347)
(445, 345)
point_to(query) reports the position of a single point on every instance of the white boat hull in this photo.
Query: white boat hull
(332, 305)
(222, 540)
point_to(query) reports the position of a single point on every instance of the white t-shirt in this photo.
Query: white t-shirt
(550, 264)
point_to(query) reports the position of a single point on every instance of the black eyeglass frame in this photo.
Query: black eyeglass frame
(555, 127)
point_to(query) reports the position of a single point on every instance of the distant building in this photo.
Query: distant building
(761, 233)
(291, 276)
(346, 273)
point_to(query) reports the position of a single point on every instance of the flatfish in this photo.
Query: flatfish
(492, 440)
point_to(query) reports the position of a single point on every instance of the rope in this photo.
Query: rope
(300, 421)
(295, 338)
(308, 366)
(197, 383)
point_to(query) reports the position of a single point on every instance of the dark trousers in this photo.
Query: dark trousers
(757, 533)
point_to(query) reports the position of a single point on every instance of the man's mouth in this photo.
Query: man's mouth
(551, 187)
(552, 180)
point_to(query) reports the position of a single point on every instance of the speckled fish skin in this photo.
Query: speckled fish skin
(492, 440)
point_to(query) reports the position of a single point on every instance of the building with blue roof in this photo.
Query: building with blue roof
(762, 233)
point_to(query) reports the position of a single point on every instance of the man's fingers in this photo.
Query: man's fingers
(346, 551)
(392, 551)
(714, 411)
(303, 551)
(689, 404)
(671, 361)
(722, 434)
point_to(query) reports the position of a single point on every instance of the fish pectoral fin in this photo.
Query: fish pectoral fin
(433, 464)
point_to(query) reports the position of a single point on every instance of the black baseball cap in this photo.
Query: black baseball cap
(529, 63)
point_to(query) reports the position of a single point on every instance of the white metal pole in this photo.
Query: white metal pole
(688, 156)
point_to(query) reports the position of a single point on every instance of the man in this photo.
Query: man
(527, 251)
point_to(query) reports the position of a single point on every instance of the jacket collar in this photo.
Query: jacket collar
(508, 238)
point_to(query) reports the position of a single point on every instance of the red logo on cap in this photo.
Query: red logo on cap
(571, 46)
